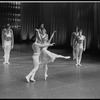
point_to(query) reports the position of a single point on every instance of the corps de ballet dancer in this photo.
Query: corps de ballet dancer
(73, 43)
(7, 43)
(80, 47)
(46, 56)
(37, 50)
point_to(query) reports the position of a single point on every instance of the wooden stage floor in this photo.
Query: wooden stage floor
(65, 80)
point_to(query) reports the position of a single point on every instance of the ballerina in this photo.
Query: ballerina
(46, 56)
(37, 50)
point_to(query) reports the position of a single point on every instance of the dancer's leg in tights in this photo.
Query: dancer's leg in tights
(7, 50)
(80, 56)
(31, 75)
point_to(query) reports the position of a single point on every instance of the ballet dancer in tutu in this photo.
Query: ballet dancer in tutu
(37, 50)
(46, 56)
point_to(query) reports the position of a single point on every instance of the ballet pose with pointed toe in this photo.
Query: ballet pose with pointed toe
(46, 56)
(7, 43)
(37, 50)
(81, 46)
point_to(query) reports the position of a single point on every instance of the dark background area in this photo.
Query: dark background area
(62, 17)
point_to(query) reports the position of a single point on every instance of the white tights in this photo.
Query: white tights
(36, 66)
(7, 49)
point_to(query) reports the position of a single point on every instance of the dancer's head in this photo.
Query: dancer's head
(80, 32)
(8, 26)
(76, 28)
(42, 25)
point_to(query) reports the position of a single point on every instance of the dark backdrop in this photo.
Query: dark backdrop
(62, 17)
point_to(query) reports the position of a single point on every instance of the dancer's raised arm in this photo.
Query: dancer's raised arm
(45, 45)
(51, 36)
(38, 34)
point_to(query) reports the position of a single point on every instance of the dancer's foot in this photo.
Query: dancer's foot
(67, 57)
(77, 64)
(46, 76)
(27, 78)
(33, 80)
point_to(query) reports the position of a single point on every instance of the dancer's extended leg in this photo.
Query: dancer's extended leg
(60, 56)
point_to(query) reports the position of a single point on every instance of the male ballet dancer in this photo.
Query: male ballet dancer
(73, 43)
(7, 43)
(81, 46)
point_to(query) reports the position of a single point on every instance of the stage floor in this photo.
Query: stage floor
(65, 80)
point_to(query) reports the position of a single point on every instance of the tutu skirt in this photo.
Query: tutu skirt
(47, 56)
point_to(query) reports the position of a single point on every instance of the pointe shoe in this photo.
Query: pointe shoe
(32, 80)
(77, 64)
(46, 76)
(67, 57)
(27, 78)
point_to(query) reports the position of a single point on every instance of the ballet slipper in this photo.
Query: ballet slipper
(77, 64)
(32, 80)
(27, 78)
(46, 76)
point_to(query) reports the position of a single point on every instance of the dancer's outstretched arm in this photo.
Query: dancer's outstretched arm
(51, 37)
(45, 45)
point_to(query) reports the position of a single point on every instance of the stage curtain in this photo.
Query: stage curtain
(62, 17)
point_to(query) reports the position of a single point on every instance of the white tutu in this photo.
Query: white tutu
(47, 56)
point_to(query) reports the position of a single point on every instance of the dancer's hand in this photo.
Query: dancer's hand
(84, 49)
(52, 44)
